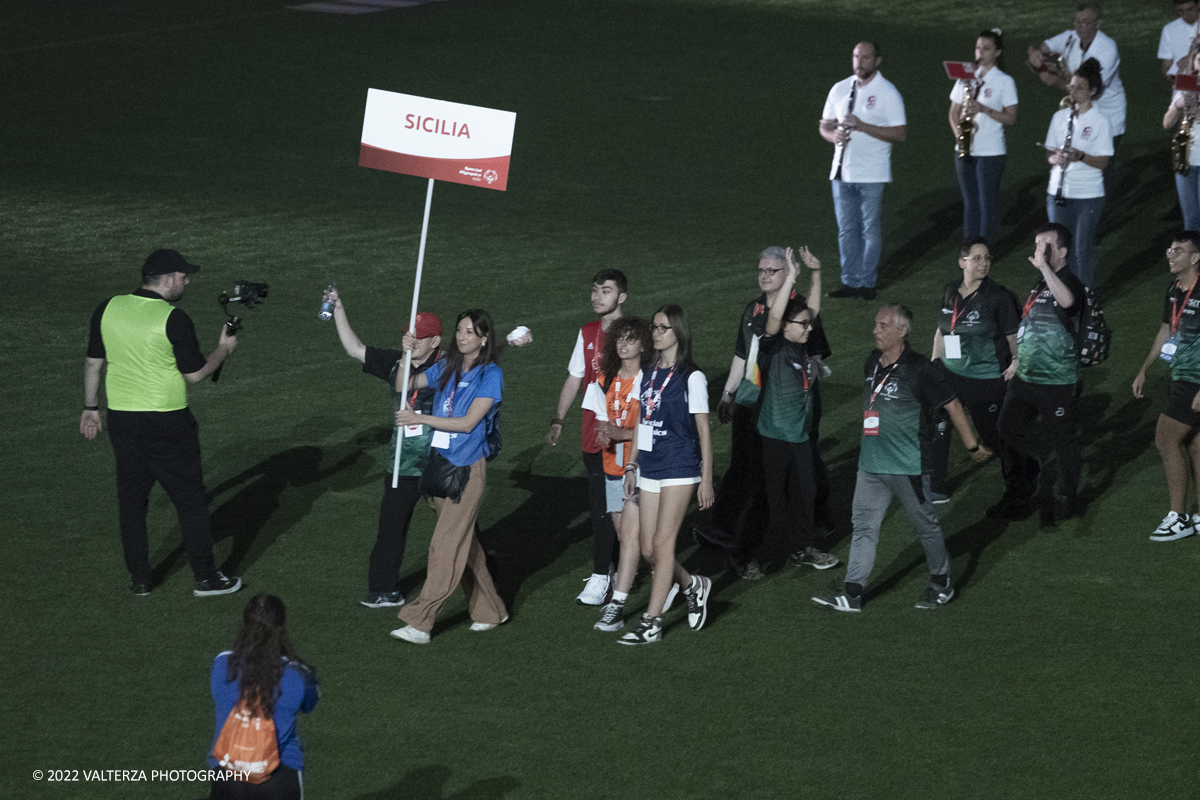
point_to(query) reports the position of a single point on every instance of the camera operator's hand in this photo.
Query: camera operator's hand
(227, 341)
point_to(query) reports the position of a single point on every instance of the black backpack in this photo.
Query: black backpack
(1094, 337)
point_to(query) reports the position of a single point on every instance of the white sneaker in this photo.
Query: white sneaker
(410, 634)
(1173, 527)
(487, 626)
(596, 591)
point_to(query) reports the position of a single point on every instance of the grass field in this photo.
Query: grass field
(673, 140)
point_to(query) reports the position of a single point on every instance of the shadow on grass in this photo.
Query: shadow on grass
(429, 783)
(524, 543)
(254, 518)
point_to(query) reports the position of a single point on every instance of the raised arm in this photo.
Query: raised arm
(775, 314)
(814, 291)
(350, 341)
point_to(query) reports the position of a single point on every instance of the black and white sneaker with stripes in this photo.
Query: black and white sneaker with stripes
(1174, 526)
(839, 601)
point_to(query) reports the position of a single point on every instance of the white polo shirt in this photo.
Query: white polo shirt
(1104, 50)
(998, 92)
(1175, 41)
(867, 160)
(1092, 135)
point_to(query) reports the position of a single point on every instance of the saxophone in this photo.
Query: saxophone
(966, 122)
(1181, 144)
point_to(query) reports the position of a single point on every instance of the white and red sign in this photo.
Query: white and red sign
(959, 70)
(437, 139)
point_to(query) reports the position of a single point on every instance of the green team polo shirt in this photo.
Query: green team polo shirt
(1185, 365)
(911, 393)
(142, 374)
(982, 321)
(751, 328)
(787, 375)
(1046, 344)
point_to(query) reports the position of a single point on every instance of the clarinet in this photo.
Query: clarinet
(1059, 200)
(837, 174)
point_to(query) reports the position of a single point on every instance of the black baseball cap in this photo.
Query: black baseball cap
(165, 262)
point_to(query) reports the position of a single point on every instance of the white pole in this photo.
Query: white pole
(412, 326)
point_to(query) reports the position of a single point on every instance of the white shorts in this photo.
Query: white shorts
(655, 487)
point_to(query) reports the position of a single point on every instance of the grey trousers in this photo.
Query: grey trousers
(873, 494)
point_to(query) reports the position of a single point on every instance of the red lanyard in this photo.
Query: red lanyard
(1176, 311)
(652, 398)
(1033, 296)
(954, 314)
(882, 383)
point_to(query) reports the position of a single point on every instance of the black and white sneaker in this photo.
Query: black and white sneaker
(697, 601)
(384, 600)
(648, 631)
(217, 584)
(935, 596)
(610, 617)
(839, 601)
(140, 589)
(1173, 527)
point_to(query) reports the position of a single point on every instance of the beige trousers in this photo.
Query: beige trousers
(455, 556)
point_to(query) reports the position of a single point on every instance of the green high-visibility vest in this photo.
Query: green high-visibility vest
(142, 375)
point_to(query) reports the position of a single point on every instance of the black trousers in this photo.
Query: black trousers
(1055, 404)
(160, 447)
(285, 783)
(604, 535)
(790, 482)
(395, 514)
(982, 400)
(742, 491)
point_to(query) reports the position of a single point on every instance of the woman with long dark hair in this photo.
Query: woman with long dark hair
(468, 384)
(672, 453)
(1080, 144)
(988, 102)
(263, 672)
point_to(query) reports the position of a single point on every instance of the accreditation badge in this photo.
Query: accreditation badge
(414, 430)
(645, 437)
(441, 440)
(870, 422)
(953, 345)
(1169, 347)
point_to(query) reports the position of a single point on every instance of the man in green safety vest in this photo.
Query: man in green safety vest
(152, 352)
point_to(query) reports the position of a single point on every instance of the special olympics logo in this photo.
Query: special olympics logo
(491, 176)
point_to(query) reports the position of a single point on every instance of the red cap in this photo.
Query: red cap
(427, 325)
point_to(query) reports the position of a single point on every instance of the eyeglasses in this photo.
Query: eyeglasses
(766, 271)
(660, 328)
(803, 323)
(628, 339)
(977, 259)
(1178, 251)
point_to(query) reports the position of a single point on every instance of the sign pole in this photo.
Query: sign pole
(412, 326)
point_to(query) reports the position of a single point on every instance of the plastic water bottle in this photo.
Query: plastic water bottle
(326, 312)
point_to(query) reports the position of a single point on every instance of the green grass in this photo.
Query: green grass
(673, 140)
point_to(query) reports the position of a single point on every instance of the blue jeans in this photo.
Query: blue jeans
(1081, 218)
(1188, 189)
(859, 208)
(979, 179)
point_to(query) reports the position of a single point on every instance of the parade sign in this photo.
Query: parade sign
(959, 70)
(437, 139)
(1186, 83)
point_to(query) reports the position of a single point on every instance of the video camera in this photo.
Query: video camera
(248, 295)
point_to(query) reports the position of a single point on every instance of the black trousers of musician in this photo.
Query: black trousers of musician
(604, 534)
(982, 400)
(395, 514)
(160, 447)
(1055, 404)
(790, 484)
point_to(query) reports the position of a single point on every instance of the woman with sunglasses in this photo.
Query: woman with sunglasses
(671, 454)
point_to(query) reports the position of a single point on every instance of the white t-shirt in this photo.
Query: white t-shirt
(867, 160)
(1175, 42)
(998, 92)
(1104, 50)
(577, 366)
(1092, 135)
(1194, 150)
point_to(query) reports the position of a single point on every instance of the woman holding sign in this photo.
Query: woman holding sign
(467, 385)
(976, 340)
(1184, 108)
(671, 454)
(979, 110)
